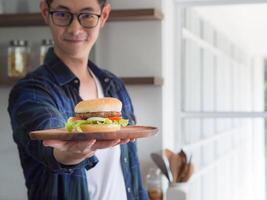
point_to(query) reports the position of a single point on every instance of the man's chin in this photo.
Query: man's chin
(73, 51)
(77, 55)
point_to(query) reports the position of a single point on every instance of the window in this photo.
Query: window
(222, 112)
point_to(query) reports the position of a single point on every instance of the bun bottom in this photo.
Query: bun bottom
(100, 128)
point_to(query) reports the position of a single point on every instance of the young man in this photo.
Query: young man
(46, 98)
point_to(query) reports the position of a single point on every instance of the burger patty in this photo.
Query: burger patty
(98, 114)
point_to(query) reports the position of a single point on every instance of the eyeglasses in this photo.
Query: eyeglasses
(65, 18)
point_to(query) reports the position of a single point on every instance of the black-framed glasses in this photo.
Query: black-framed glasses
(65, 18)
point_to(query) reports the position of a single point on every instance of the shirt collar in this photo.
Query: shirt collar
(64, 75)
(60, 71)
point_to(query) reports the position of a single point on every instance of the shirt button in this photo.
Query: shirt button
(69, 170)
(106, 80)
(76, 81)
(125, 160)
(129, 189)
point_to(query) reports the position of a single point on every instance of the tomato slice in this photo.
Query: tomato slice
(74, 119)
(115, 118)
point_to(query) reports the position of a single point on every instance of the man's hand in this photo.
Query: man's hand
(74, 152)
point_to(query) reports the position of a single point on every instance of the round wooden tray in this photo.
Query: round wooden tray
(129, 132)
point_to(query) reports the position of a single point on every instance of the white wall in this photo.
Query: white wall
(131, 48)
(19, 6)
(12, 182)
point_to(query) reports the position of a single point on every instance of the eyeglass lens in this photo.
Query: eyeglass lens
(63, 18)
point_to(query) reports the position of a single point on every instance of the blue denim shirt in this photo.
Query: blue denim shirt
(45, 99)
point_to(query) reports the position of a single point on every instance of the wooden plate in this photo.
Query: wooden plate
(129, 132)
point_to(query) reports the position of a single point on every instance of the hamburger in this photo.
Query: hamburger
(97, 115)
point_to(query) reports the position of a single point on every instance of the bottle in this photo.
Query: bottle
(153, 184)
(46, 44)
(18, 57)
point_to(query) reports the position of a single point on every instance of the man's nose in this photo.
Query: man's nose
(75, 26)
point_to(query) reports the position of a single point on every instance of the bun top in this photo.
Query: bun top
(107, 104)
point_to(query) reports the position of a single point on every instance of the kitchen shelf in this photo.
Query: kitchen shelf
(7, 82)
(155, 81)
(136, 15)
(35, 19)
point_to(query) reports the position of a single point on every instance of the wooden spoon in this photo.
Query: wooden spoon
(184, 171)
(168, 154)
(181, 167)
(189, 172)
(182, 154)
(175, 165)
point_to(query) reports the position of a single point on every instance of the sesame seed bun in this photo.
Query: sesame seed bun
(107, 104)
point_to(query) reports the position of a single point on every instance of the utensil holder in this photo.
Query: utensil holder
(177, 191)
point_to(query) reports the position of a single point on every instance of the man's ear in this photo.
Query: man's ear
(44, 11)
(105, 14)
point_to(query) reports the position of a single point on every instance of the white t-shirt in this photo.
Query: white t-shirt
(105, 180)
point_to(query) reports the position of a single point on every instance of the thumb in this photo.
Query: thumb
(58, 144)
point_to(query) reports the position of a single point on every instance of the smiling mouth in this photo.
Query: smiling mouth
(74, 40)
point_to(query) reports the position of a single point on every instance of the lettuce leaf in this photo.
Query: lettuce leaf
(72, 125)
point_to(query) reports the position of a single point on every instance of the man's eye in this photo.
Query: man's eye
(87, 16)
(61, 14)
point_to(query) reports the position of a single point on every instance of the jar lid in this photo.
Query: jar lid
(22, 43)
(13, 43)
(47, 42)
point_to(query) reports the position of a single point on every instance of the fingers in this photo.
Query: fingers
(124, 141)
(89, 154)
(87, 148)
(132, 140)
(83, 155)
(58, 144)
(110, 143)
(82, 147)
(71, 152)
(71, 146)
(105, 144)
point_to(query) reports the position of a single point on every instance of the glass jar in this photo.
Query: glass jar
(153, 184)
(46, 44)
(18, 58)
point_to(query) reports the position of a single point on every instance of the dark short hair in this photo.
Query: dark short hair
(101, 2)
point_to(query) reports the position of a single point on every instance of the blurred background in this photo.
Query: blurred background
(204, 63)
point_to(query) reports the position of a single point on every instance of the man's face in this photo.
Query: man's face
(75, 40)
